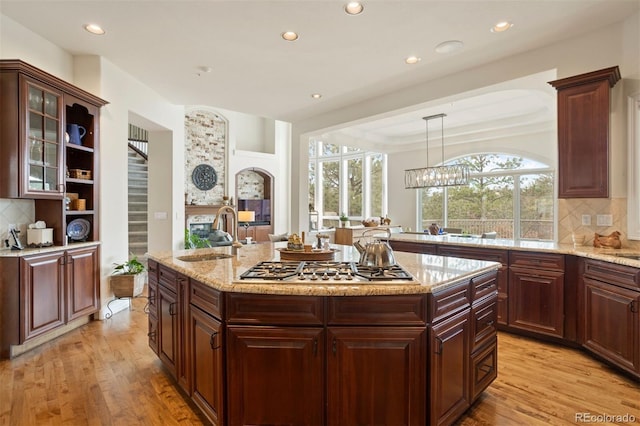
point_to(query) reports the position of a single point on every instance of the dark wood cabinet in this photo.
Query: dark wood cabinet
(376, 375)
(492, 255)
(37, 158)
(276, 375)
(449, 352)
(83, 282)
(41, 292)
(168, 328)
(153, 297)
(42, 284)
(611, 317)
(207, 364)
(583, 133)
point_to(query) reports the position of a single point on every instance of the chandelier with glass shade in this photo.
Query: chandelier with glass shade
(436, 176)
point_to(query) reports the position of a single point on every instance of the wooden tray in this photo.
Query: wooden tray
(286, 254)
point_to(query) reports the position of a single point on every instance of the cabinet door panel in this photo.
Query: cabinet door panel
(376, 375)
(168, 328)
(536, 301)
(207, 366)
(82, 282)
(42, 287)
(275, 375)
(449, 382)
(612, 323)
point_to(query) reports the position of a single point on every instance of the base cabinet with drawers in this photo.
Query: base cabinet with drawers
(43, 292)
(284, 359)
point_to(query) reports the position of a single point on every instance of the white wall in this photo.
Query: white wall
(609, 46)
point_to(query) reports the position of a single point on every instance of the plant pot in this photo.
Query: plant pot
(344, 223)
(127, 285)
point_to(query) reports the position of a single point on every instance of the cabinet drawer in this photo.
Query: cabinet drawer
(625, 276)
(448, 301)
(492, 255)
(484, 368)
(377, 310)
(152, 270)
(484, 285)
(167, 278)
(206, 298)
(483, 321)
(547, 261)
(274, 309)
(413, 247)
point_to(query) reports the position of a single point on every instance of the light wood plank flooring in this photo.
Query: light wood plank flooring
(105, 374)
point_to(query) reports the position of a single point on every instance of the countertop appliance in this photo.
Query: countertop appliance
(323, 271)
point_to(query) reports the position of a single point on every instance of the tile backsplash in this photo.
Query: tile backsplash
(570, 213)
(18, 212)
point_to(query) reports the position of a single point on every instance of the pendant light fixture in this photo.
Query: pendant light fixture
(445, 175)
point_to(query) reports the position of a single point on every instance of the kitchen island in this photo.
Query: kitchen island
(346, 349)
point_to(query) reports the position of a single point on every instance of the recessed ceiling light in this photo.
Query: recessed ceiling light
(449, 46)
(290, 35)
(412, 60)
(501, 26)
(316, 95)
(353, 8)
(94, 29)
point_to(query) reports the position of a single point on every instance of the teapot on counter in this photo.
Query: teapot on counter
(376, 254)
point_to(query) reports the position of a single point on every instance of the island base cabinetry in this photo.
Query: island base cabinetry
(289, 359)
(376, 375)
(276, 375)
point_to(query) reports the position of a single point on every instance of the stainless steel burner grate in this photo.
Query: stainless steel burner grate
(320, 270)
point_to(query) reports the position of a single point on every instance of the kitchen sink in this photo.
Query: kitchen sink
(203, 257)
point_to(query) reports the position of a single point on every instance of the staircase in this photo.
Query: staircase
(138, 174)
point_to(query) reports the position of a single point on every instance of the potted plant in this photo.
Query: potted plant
(344, 220)
(127, 279)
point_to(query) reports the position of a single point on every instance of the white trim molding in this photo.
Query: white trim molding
(633, 172)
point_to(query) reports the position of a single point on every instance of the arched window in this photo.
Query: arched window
(507, 194)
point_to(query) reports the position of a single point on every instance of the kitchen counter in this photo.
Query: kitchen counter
(607, 255)
(431, 273)
(29, 251)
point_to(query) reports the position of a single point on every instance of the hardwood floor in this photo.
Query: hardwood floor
(104, 374)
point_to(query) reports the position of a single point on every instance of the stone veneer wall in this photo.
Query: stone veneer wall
(205, 142)
(570, 213)
(250, 185)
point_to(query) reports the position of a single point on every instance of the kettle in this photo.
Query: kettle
(377, 254)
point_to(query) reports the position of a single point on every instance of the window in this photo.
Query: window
(510, 195)
(345, 179)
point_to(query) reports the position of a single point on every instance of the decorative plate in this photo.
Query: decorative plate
(78, 229)
(204, 177)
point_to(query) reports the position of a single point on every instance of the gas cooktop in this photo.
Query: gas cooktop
(323, 271)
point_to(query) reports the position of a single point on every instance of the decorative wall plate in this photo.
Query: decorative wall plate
(204, 177)
(78, 229)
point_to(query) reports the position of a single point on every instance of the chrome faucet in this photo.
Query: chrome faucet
(235, 245)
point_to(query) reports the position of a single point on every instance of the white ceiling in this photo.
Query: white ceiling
(347, 59)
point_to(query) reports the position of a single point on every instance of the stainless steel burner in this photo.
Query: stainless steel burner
(323, 271)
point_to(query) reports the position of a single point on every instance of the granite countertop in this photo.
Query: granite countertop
(29, 251)
(605, 254)
(431, 273)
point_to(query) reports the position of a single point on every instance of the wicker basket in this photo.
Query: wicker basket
(80, 174)
(129, 285)
(78, 204)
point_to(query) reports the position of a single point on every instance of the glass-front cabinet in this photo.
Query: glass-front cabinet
(49, 147)
(43, 175)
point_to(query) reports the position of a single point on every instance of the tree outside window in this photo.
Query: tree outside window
(502, 196)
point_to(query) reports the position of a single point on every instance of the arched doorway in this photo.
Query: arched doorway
(254, 192)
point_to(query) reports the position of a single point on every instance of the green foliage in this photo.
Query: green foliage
(344, 217)
(193, 241)
(130, 267)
